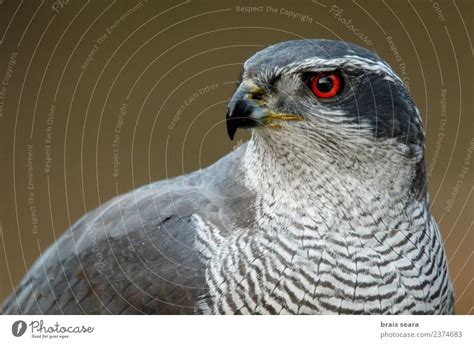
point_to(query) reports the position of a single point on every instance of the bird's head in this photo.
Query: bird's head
(333, 96)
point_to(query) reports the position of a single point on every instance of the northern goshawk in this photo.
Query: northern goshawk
(323, 211)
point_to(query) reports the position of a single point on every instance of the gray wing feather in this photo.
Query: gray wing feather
(137, 253)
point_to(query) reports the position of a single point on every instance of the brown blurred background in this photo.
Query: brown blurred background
(99, 97)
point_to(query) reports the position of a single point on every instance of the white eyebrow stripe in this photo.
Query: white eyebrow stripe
(348, 61)
(379, 67)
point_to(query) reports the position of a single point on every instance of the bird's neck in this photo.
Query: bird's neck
(291, 178)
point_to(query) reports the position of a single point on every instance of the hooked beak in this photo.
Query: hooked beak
(244, 111)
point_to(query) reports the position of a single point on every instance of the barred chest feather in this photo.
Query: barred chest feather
(329, 246)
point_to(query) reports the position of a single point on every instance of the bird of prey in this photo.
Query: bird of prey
(323, 211)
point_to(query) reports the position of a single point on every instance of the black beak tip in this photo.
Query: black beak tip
(231, 132)
(231, 125)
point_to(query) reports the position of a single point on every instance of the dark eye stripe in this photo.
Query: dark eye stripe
(274, 79)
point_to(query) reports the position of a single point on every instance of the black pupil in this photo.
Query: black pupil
(324, 84)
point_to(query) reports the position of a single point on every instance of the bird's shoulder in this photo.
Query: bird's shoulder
(136, 253)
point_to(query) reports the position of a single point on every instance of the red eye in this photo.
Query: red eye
(326, 85)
